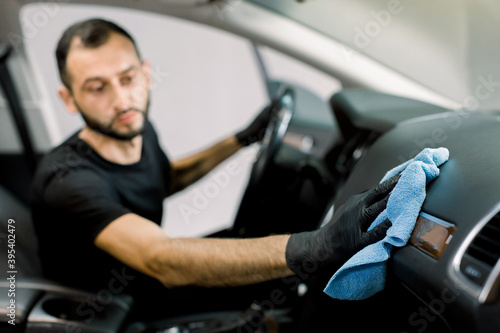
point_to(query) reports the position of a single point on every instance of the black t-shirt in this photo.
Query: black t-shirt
(76, 194)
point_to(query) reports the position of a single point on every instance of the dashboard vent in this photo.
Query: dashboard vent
(483, 252)
(486, 245)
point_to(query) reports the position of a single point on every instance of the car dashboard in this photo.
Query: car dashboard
(451, 263)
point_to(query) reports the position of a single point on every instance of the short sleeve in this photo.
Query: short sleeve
(84, 201)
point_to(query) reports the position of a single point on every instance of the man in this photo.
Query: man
(97, 198)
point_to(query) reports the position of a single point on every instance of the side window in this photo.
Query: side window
(282, 67)
(10, 142)
(314, 129)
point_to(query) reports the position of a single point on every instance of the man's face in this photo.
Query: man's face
(110, 87)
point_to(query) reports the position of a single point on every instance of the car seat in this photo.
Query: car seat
(28, 302)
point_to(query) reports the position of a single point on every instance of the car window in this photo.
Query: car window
(283, 68)
(10, 142)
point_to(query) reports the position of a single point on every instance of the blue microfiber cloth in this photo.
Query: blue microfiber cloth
(364, 274)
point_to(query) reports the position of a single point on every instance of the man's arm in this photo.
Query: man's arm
(143, 245)
(188, 170)
(208, 262)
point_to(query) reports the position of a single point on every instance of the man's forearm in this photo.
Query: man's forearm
(188, 170)
(214, 262)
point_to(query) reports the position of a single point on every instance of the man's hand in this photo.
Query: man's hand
(256, 130)
(329, 247)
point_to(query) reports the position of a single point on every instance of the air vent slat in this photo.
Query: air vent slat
(493, 231)
(482, 255)
(489, 238)
(488, 243)
(485, 247)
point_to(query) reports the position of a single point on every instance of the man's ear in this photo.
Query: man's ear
(67, 98)
(146, 68)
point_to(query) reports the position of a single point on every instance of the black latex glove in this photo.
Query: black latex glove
(256, 130)
(328, 248)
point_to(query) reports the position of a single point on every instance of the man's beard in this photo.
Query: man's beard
(107, 129)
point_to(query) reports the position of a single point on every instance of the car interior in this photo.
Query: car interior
(447, 279)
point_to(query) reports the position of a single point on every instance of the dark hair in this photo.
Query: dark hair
(93, 33)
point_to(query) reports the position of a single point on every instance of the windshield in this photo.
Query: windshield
(449, 46)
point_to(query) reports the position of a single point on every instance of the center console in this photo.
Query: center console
(41, 307)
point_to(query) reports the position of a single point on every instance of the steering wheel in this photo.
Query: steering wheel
(283, 108)
(282, 111)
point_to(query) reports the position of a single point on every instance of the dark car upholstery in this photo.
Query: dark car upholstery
(26, 245)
